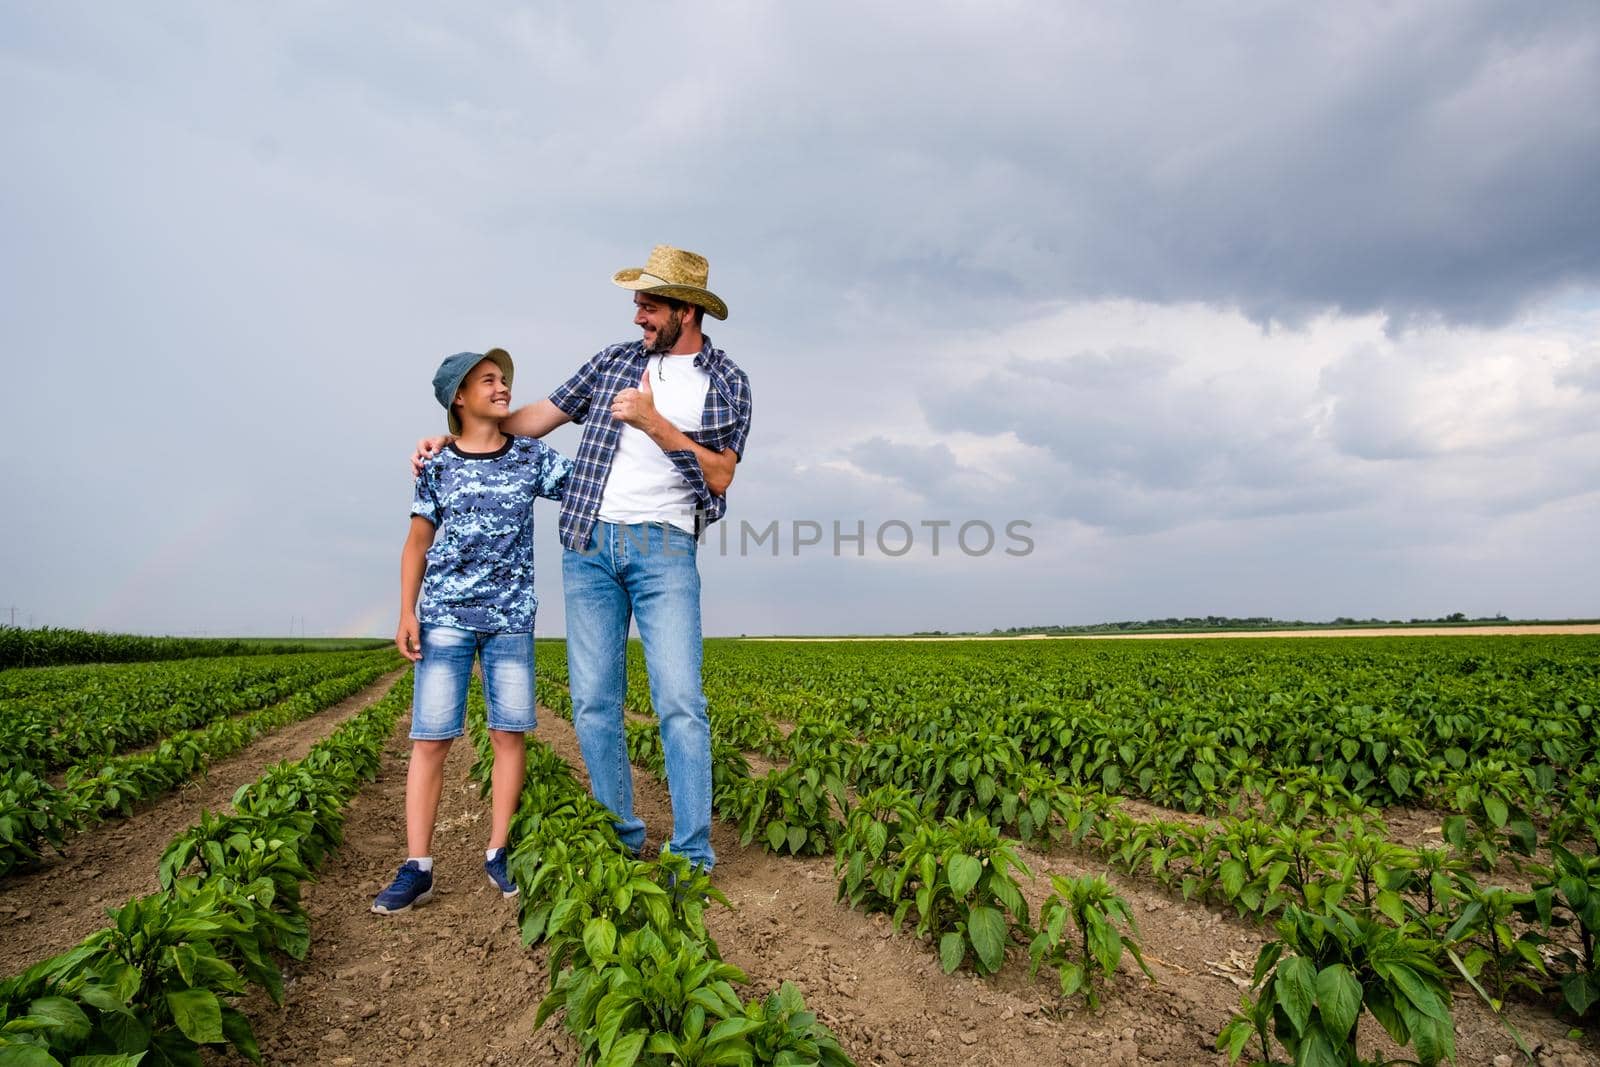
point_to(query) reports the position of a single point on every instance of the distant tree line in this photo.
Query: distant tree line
(1252, 622)
(49, 646)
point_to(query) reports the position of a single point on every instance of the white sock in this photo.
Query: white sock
(425, 862)
(489, 853)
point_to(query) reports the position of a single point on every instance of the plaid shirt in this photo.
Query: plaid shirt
(586, 399)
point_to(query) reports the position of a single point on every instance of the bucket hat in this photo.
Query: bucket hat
(675, 273)
(447, 379)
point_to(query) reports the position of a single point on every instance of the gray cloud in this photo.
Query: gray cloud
(238, 241)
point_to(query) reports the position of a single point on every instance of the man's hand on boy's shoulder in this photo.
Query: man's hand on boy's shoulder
(427, 448)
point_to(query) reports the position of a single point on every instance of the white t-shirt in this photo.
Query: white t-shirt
(644, 486)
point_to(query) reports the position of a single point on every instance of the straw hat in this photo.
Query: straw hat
(675, 273)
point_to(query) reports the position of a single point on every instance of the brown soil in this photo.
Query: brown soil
(51, 908)
(451, 985)
(446, 983)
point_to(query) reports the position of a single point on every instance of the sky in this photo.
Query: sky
(1072, 313)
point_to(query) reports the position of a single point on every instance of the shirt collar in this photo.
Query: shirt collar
(708, 359)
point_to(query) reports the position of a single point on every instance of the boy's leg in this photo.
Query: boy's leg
(438, 716)
(597, 650)
(508, 691)
(424, 784)
(665, 589)
(510, 764)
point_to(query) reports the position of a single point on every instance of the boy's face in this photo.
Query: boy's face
(484, 392)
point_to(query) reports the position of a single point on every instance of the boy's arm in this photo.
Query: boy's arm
(555, 471)
(413, 558)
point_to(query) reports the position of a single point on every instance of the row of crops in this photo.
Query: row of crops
(50, 646)
(636, 976)
(79, 745)
(640, 978)
(161, 982)
(923, 768)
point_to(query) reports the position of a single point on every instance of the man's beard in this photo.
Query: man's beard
(667, 336)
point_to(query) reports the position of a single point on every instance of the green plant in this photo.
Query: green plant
(1095, 911)
(1489, 817)
(1491, 947)
(1568, 897)
(1313, 985)
(958, 876)
(794, 809)
(785, 1033)
(648, 996)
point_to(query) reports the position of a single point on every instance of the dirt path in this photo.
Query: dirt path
(51, 909)
(448, 983)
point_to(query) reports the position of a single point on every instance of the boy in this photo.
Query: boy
(470, 554)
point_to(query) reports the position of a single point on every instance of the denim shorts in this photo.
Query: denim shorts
(439, 700)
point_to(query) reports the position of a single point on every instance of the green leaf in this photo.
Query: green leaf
(1399, 780)
(987, 929)
(797, 838)
(952, 949)
(107, 1060)
(732, 1028)
(1418, 993)
(198, 1014)
(626, 1050)
(70, 1021)
(1339, 998)
(964, 872)
(1317, 1051)
(1296, 984)
(776, 832)
(599, 938)
(1580, 991)
(1232, 876)
(240, 1034)
(26, 1056)
(1496, 809)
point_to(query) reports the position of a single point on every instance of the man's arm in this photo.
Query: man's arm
(535, 420)
(413, 559)
(637, 408)
(530, 420)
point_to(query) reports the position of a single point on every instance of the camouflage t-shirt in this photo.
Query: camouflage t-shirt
(480, 569)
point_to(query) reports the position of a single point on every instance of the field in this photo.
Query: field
(1157, 852)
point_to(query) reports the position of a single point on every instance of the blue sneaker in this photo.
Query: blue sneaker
(497, 874)
(412, 885)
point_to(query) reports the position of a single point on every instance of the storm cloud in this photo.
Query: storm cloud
(1206, 293)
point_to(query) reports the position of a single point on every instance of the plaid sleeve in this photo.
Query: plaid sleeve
(573, 395)
(688, 465)
(742, 407)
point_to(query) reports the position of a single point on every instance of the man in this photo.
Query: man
(664, 424)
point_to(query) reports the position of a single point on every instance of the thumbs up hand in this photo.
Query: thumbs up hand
(636, 407)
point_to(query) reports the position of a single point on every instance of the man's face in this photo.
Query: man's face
(484, 392)
(662, 325)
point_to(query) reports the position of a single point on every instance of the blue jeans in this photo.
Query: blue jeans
(439, 702)
(645, 571)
